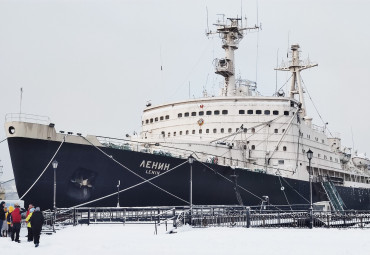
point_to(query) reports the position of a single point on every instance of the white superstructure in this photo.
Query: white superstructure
(242, 129)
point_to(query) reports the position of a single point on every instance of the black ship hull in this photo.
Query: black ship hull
(86, 174)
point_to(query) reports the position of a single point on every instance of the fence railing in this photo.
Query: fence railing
(211, 216)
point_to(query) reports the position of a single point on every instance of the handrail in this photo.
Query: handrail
(39, 119)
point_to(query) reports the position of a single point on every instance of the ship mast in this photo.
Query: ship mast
(231, 34)
(295, 66)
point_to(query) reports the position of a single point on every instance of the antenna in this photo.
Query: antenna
(241, 13)
(277, 63)
(207, 21)
(20, 102)
(287, 52)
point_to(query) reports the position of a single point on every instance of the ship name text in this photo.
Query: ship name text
(153, 167)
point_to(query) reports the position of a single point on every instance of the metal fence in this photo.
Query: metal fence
(210, 216)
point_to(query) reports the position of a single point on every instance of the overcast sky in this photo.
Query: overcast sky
(92, 65)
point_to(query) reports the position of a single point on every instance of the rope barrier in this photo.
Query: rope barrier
(64, 139)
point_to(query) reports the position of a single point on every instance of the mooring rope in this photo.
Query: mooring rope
(3, 140)
(283, 190)
(295, 189)
(52, 158)
(146, 180)
(135, 185)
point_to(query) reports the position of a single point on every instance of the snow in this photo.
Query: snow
(140, 239)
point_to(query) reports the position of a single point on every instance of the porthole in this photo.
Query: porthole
(11, 130)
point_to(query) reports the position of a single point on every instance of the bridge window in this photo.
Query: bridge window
(187, 132)
(276, 130)
(161, 118)
(156, 119)
(207, 130)
(250, 111)
(214, 130)
(258, 111)
(224, 112)
(229, 130)
(167, 117)
(169, 134)
(193, 114)
(281, 161)
(275, 112)
(200, 131)
(253, 147)
(209, 112)
(179, 115)
(222, 130)
(186, 114)
(151, 120)
(267, 112)
(241, 112)
(286, 113)
(284, 148)
(217, 112)
(174, 133)
(201, 113)
(146, 121)
(193, 132)
(180, 132)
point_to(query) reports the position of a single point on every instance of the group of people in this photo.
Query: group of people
(11, 219)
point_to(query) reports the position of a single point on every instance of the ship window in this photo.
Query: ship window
(207, 130)
(179, 115)
(200, 131)
(161, 118)
(283, 130)
(186, 114)
(267, 112)
(224, 111)
(253, 130)
(303, 151)
(187, 132)
(151, 120)
(217, 112)
(258, 112)
(276, 130)
(275, 112)
(236, 130)
(214, 130)
(319, 155)
(250, 111)
(284, 148)
(209, 112)
(281, 161)
(308, 136)
(167, 117)
(156, 119)
(253, 147)
(193, 132)
(245, 130)
(331, 158)
(222, 130)
(193, 114)
(180, 132)
(146, 121)
(322, 141)
(169, 134)
(142, 123)
(325, 157)
(317, 139)
(174, 133)
(163, 133)
(201, 113)
(286, 113)
(229, 130)
(241, 112)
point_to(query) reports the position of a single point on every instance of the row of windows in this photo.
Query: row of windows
(167, 117)
(325, 157)
(225, 112)
(215, 112)
(214, 131)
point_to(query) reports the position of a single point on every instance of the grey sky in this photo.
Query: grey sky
(92, 65)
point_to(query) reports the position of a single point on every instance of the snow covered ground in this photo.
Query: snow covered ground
(140, 239)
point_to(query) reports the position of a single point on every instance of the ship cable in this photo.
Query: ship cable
(284, 84)
(283, 190)
(51, 160)
(3, 140)
(146, 180)
(135, 185)
(295, 189)
(317, 111)
(248, 191)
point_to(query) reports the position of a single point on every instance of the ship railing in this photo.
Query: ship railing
(318, 128)
(25, 117)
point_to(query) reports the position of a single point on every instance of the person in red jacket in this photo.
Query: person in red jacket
(16, 222)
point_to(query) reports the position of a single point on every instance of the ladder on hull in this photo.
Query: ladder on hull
(333, 195)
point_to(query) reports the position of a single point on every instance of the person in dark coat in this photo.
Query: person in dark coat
(16, 222)
(37, 220)
(2, 215)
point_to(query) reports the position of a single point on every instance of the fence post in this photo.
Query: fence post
(74, 217)
(248, 217)
(328, 220)
(174, 217)
(88, 217)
